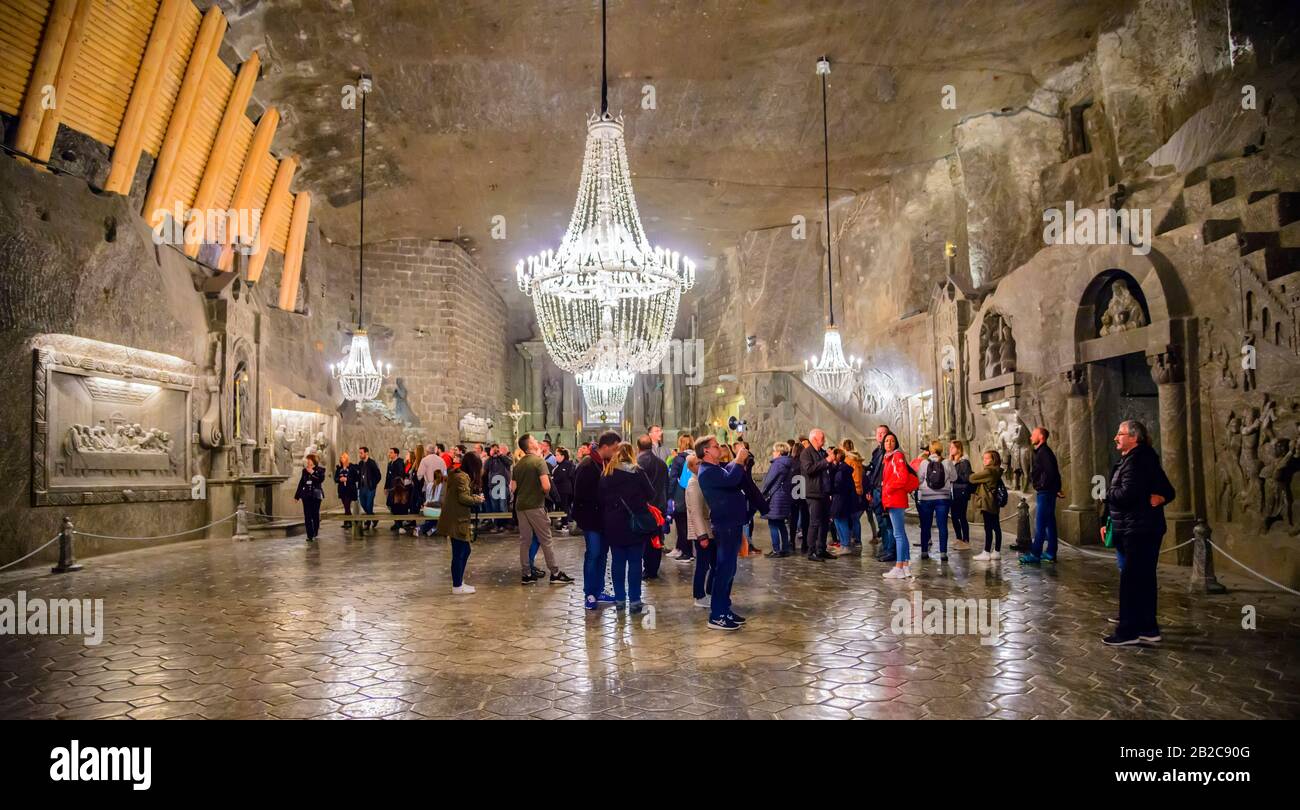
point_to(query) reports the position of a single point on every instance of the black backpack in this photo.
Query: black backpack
(935, 476)
(1000, 497)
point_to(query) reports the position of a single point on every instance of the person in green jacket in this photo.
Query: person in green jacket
(460, 495)
(986, 482)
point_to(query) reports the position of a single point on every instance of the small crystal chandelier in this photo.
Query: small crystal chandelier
(358, 375)
(832, 376)
(605, 391)
(606, 298)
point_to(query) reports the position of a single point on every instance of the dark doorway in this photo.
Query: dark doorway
(1124, 389)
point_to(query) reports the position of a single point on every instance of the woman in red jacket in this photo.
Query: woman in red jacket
(898, 479)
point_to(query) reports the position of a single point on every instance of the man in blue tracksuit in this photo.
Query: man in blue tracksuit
(728, 512)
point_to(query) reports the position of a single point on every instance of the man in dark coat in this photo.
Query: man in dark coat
(590, 519)
(395, 480)
(1046, 478)
(496, 483)
(657, 471)
(367, 483)
(1135, 506)
(871, 481)
(813, 466)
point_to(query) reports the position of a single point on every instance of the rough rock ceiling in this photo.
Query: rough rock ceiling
(479, 106)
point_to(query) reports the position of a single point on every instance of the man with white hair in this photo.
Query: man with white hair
(1135, 515)
(813, 466)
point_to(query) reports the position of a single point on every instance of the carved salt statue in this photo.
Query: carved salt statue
(551, 397)
(1277, 495)
(1250, 463)
(1007, 350)
(992, 351)
(1123, 312)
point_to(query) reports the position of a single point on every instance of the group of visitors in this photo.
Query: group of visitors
(625, 498)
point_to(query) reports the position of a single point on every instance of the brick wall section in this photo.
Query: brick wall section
(448, 324)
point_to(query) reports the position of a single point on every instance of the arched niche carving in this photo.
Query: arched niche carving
(997, 345)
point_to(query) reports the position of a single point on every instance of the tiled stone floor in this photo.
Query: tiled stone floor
(343, 629)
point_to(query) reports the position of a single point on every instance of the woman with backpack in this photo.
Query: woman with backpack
(777, 489)
(934, 498)
(679, 475)
(961, 492)
(897, 482)
(625, 495)
(463, 492)
(990, 496)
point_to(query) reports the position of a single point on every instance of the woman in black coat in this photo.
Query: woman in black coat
(346, 476)
(625, 491)
(563, 476)
(311, 492)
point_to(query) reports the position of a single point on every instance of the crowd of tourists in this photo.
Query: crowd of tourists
(628, 498)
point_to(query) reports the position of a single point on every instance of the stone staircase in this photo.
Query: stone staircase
(1263, 224)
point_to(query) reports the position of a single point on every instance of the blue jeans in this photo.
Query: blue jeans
(1044, 523)
(960, 523)
(532, 551)
(593, 564)
(897, 520)
(780, 534)
(727, 540)
(843, 531)
(459, 557)
(626, 572)
(1119, 560)
(705, 562)
(367, 499)
(882, 525)
(855, 528)
(929, 511)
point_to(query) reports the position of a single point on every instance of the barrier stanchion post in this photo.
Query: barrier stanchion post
(1024, 534)
(1203, 579)
(241, 522)
(67, 559)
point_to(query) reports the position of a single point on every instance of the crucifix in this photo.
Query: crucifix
(514, 415)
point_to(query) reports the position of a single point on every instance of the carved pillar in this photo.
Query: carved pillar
(534, 354)
(572, 401)
(1081, 515)
(1169, 373)
(669, 414)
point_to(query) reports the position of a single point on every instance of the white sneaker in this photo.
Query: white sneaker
(894, 573)
(675, 553)
(983, 555)
(463, 590)
(993, 555)
(705, 602)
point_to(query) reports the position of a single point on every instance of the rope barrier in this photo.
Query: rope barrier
(53, 540)
(154, 537)
(298, 518)
(1251, 570)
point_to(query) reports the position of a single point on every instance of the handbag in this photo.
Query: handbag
(645, 523)
(1109, 540)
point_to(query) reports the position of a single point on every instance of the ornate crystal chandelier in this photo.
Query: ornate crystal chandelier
(360, 377)
(831, 376)
(606, 298)
(605, 391)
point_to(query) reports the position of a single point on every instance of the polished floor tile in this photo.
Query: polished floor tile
(370, 629)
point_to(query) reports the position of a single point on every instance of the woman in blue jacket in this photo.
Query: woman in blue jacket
(844, 497)
(625, 491)
(777, 490)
